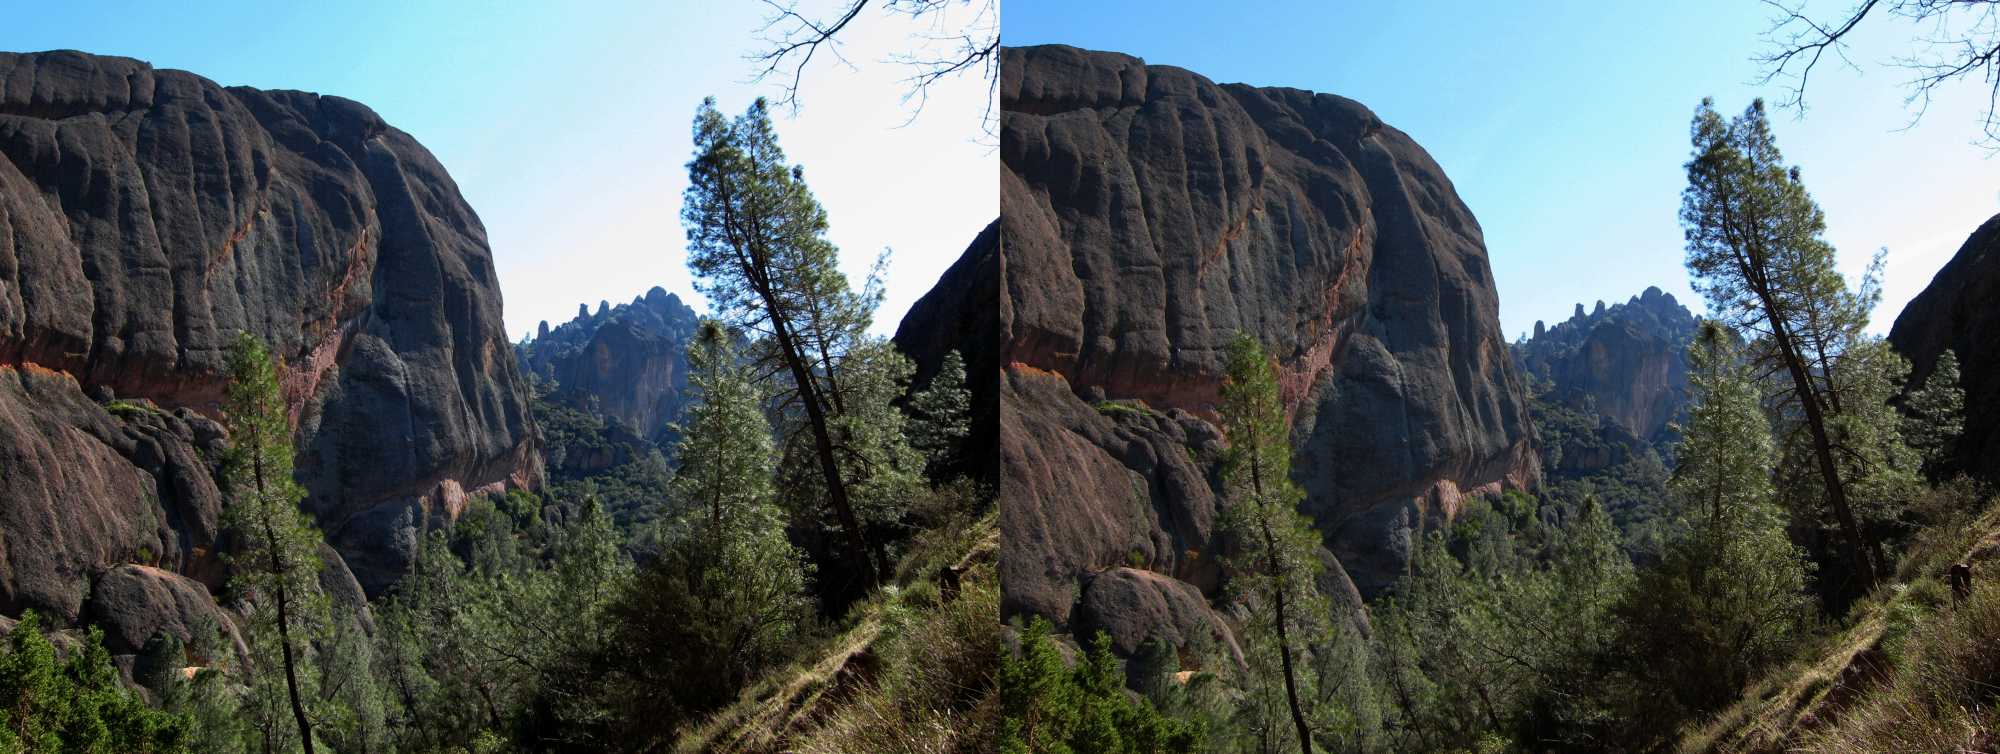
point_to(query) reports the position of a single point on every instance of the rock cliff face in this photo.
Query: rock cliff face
(146, 216)
(1958, 311)
(627, 362)
(1148, 215)
(1628, 361)
(958, 313)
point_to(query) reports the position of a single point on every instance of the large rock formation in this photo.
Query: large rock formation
(147, 216)
(1957, 311)
(627, 362)
(1627, 362)
(1148, 215)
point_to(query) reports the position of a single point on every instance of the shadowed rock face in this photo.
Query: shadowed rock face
(1629, 361)
(958, 314)
(627, 362)
(1958, 310)
(1148, 215)
(146, 216)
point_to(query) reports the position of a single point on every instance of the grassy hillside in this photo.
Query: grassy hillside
(914, 670)
(1912, 669)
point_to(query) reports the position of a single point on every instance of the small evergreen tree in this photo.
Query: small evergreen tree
(193, 679)
(726, 596)
(1936, 415)
(1278, 549)
(277, 558)
(942, 415)
(59, 706)
(1502, 641)
(1048, 707)
(1728, 598)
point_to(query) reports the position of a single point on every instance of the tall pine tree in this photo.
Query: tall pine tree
(1757, 252)
(757, 246)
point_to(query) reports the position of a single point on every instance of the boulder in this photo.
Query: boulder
(85, 487)
(135, 603)
(1134, 607)
(1085, 487)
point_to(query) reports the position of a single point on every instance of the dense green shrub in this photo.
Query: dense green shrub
(1049, 707)
(75, 704)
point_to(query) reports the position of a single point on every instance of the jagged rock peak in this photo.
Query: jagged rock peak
(628, 361)
(1629, 360)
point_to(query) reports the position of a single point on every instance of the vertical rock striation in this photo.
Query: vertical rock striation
(148, 215)
(1148, 215)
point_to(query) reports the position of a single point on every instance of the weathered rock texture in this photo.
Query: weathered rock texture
(147, 216)
(627, 362)
(1148, 215)
(1627, 362)
(133, 603)
(1958, 310)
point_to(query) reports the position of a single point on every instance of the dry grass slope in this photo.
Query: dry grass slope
(912, 672)
(1914, 669)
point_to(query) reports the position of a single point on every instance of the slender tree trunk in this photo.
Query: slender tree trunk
(829, 465)
(754, 262)
(284, 608)
(291, 672)
(1858, 547)
(1275, 570)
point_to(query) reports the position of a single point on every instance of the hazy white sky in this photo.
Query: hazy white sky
(566, 125)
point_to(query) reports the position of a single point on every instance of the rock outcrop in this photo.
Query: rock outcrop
(627, 362)
(1627, 362)
(1957, 311)
(1149, 215)
(146, 217)
(134, 603)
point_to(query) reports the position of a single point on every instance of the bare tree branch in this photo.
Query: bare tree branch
(1963, 42)
(953, 45)
(798, 38)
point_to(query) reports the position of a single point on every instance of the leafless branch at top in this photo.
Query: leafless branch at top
(1963, 42)
(948, 48)
(794, 40)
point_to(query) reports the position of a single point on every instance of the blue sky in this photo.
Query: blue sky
(1564, 124)
(567, 125)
